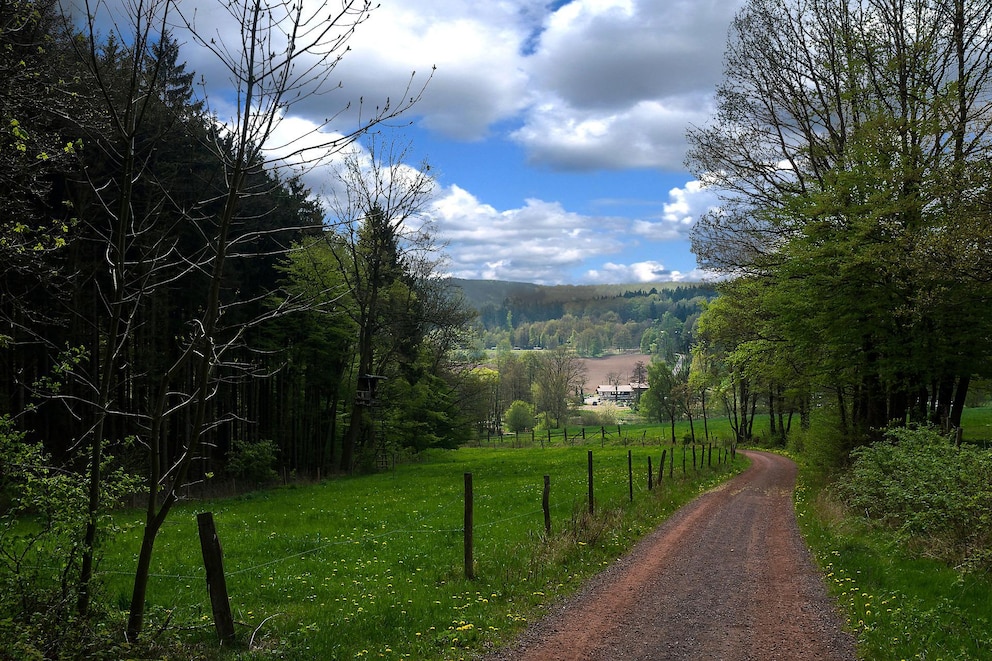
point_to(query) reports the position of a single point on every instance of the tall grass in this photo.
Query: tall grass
(900, 600)
(374, 567)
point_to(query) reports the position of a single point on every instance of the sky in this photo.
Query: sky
(555, 131)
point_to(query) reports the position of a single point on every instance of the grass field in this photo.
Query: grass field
(898, 605)
(374, 567)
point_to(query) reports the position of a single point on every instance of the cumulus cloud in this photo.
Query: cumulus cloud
(649, 134)
(587, 84)
(593, 84)
(579, 85)
(475, 47)
(618, 81)
(538, 242)
(649, 271)
(684, 207)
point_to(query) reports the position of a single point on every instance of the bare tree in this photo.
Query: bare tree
(279, 55)
(559, 373)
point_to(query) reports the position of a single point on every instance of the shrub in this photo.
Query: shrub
(43, 510)
(253, 462)
(936, 496)
(605, 415)
(520, 416)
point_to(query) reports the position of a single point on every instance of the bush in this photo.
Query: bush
(253, 462)
(937, 497)
(604, 416)
(43, 511)
(520, 416)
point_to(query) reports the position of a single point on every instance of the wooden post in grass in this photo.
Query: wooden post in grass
(213, 562)
(650, 475)
(671, 464)
(630, 474)
(694, 457)
(661, 468)
(469, 563)
(546, 504)
(592, 507)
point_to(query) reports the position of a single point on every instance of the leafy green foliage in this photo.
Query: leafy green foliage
(935, 496)
(42, 510)
(254, 461)
(590, 319)
(899, 606)
(520, 416)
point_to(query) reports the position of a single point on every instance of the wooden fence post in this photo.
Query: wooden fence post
(592, 507)
(650, 475)
(213, 562)
(661, 467)
(469, 562)
(546, 504)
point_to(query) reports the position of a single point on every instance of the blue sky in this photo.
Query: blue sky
(555, 131)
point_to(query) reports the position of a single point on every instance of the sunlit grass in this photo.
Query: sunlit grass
(897, 606)
(374, 566)
(977, 425)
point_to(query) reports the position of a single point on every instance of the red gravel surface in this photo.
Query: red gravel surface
(727, 577)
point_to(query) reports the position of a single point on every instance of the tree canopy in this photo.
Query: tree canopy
(850, 146)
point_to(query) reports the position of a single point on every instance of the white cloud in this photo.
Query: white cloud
(591, 84)
(680, 213)
(595, 84)
(540, 241)
(476, 48)
(649, 271)
(648, 134)
(618, 82)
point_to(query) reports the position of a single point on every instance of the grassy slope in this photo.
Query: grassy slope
(373, 566)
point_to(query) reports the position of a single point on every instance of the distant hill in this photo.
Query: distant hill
(481, 294)
(591, 319)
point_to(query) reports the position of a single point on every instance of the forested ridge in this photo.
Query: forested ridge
(590, 319)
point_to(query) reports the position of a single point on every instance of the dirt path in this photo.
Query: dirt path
(727, 577)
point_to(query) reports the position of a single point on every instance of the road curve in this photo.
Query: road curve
(726, 577)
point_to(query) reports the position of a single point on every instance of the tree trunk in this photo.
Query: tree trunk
(957, 406)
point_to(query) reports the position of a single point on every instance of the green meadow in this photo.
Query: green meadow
(373, 566)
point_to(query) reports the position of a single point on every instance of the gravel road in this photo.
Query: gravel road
(727, 577)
